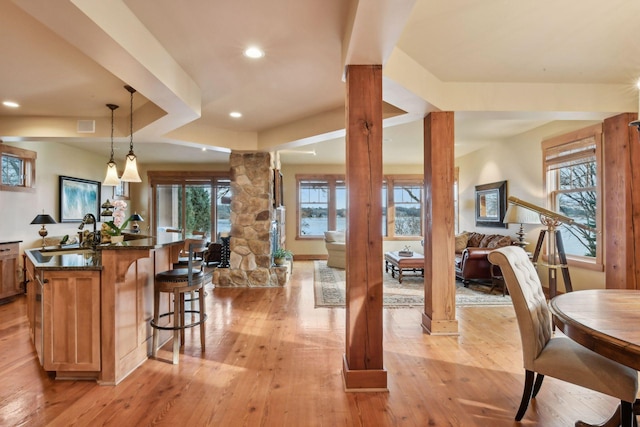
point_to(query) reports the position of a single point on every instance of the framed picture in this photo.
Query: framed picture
(121, 192)
(78, 197)
(491, 204)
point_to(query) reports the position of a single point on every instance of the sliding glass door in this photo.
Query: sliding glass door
(192, 206)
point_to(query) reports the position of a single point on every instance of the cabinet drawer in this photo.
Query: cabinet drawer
(9, 250)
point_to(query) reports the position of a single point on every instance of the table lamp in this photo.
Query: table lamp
(43, 219)
(520, 215)
(134, 222)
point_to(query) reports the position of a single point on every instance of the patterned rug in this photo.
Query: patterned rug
(329, 288)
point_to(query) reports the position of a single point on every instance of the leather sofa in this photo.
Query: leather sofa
(472, 250)
(336, 249)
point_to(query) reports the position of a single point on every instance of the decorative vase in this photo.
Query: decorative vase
(279, 261)
(117, 239)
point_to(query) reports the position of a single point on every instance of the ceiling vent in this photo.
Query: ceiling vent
(86, 126)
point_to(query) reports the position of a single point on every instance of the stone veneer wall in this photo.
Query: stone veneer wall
(251, 216)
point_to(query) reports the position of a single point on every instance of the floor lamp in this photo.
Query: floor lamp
(555, 247)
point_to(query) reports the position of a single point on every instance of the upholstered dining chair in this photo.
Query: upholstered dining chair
(555, 356)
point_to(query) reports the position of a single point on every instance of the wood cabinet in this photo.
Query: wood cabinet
(89, 313)
(9, 267)
(71, 320)
(30, 279)
(63, 308)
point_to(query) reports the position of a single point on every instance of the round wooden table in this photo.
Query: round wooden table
(606, 321)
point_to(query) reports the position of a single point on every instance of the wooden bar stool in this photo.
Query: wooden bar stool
(178, 282)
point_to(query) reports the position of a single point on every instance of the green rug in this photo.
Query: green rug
(329, 288)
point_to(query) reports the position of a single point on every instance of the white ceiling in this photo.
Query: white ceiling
(63, 61)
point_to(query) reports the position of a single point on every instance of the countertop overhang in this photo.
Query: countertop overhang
(73, 257)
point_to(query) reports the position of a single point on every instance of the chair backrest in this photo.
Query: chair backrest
(196, 246)
(529, 302)
(187, 242)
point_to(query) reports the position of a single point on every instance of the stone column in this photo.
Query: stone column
(251, 216)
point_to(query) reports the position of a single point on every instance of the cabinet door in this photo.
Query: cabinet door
(9, 285)
(31, 295)
(71, 321)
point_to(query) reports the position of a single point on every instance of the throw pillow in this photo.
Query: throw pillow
(499, 241)
(461, 242)
(334, 236)
(329, 236)
(486, 239)
(474, 239)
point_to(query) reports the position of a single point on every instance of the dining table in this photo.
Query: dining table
(606, 321)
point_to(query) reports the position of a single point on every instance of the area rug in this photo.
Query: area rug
(329, 288)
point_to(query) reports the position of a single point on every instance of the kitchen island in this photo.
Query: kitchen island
(89, 310)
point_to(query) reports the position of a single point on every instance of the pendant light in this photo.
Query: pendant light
(131, 168)
(112, 169)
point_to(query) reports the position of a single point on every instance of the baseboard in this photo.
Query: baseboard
(311, 257)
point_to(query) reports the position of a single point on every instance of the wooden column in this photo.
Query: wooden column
(439, 317)
(621, 202)
(362, 362)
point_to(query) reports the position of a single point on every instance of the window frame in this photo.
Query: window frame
(391, 181)
(28, 159)
(388, 180)
(551, 187)
(185, 178)
(332, 181)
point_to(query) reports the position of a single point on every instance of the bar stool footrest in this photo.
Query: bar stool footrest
(174, 328)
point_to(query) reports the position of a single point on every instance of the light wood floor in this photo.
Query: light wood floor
(272, 359)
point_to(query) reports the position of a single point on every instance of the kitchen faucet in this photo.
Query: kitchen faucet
(91, 219)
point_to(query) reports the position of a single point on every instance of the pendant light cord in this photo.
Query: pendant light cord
(131, 91)
(112, 107)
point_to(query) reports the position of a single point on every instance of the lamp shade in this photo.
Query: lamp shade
(519, 215)
(43, 219)
(130, 173)
(136, 217)
(112, 175)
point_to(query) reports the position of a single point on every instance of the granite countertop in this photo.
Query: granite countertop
(73, 257)
(57, 260)
(4, 242)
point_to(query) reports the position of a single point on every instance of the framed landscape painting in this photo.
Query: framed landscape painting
(491, 204)
(78, 197)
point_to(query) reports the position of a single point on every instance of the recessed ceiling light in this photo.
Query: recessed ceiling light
(235, 114)
(253, 52)
(10, 104)
(204, 148)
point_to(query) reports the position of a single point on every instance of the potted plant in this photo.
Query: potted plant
(114, 228)
(280, 255)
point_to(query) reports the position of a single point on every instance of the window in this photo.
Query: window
(404, 206)
(18, 169)
(322, 206)
(572, 174)
(191, 201)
